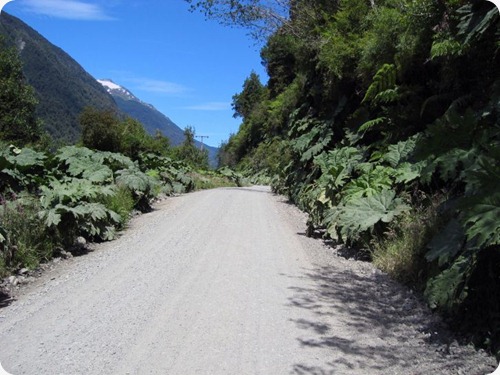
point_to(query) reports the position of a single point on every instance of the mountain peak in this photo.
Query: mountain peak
(117, 90)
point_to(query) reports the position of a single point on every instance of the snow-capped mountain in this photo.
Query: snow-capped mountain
(149, 116)
(117, 90)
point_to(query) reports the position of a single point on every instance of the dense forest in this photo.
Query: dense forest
(380, 119)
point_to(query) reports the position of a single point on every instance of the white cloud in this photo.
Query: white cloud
(211, 106)
(67, 9)
(162, 87)
(3, 3)
(151, 85)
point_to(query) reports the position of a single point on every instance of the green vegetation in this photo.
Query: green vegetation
(60, 85)
(78, 192)
(49, 197)
(381, 119)
(105, 131)
(18, 122)
(188, 151)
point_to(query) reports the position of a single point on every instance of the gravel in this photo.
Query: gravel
(223, 282)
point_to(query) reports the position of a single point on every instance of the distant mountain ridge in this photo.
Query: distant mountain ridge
(150, 117)
(62, 86)
(117, 90)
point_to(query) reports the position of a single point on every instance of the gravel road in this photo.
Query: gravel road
(224, 282)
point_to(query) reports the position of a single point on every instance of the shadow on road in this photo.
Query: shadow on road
(375, 326)
(5, 299)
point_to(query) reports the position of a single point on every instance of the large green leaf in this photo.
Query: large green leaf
(28, 158)
(317, 148)
(447, 289)
(481, 219)
(135, 180)
(51, 216)
(447, 243)
(476, 19)
(359, 215)
(400, 152)
(368, 184)
(408, 172)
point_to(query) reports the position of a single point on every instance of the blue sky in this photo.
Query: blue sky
(185, 66)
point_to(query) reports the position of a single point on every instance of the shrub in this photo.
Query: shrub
(401, 252)
(122, 202)
(25, 242)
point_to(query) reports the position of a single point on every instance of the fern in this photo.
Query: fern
(445, 48)
(384, 79)
(371, 123)
(387, 96)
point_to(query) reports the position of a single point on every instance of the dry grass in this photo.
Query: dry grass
(400, 253)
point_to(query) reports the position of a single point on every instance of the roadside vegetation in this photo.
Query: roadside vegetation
(381, 119)
(50, 195)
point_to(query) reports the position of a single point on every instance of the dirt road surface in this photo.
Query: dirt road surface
(224, 282)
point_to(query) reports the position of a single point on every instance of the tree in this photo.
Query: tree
(189, 153)
(261, 17)
(161, 144)
(103, 130)
(18, 121)
(252, 94)
(133, 138)
(100, 130)
(265, 17)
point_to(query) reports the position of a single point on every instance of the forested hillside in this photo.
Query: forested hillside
(62, 87)
(381, 120)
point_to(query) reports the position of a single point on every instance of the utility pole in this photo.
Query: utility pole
(202, 137)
